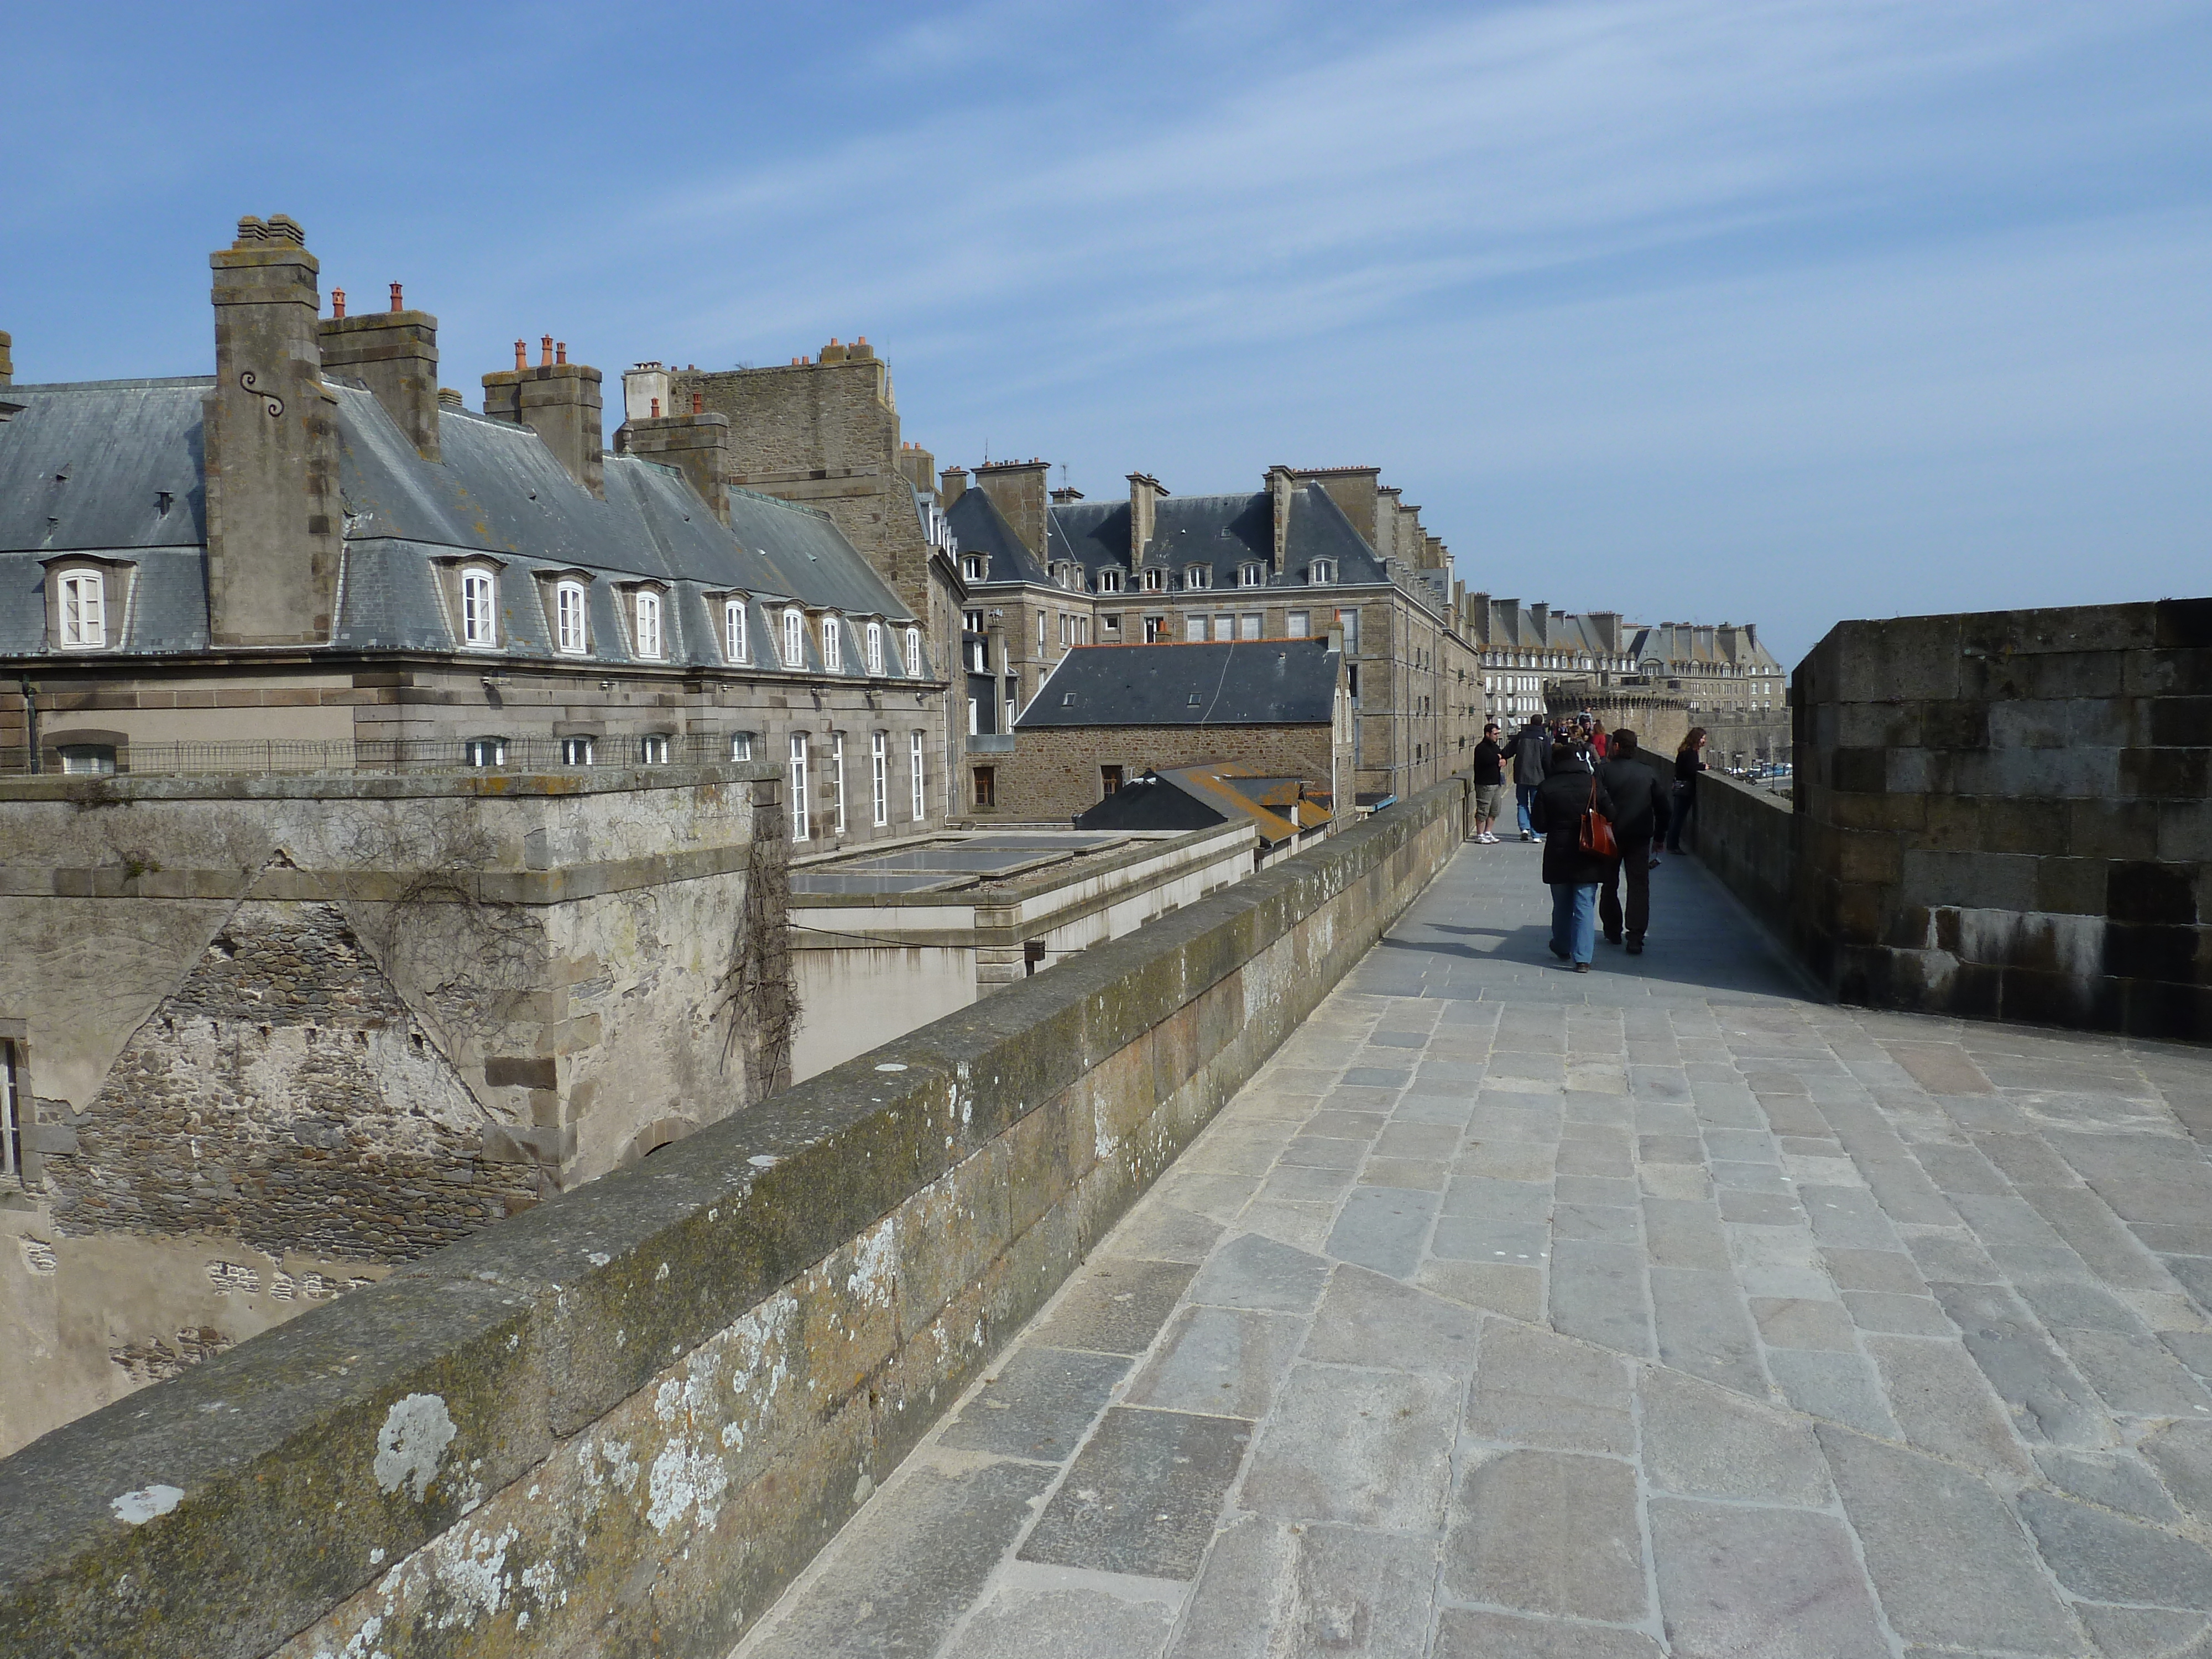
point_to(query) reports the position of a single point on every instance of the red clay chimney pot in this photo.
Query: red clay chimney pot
(545, 351)
(396, 306)
(698, 403)
(521, 354)
(560, 351)
(338, 302)
(656, 408)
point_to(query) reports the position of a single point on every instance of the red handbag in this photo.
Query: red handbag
(1596, 836)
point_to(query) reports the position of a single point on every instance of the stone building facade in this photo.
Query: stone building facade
(316, 559)
(1047, 573)
(265, 1038)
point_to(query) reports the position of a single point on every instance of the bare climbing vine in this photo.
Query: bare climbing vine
(760, 990)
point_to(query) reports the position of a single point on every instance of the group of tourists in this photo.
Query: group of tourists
(1602, 812)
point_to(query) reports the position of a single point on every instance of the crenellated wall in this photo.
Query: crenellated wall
(622, 1422)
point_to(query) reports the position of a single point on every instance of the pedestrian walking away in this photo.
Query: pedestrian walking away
(1689, 760)
(1639, 794)
(1532, 751)
(1489, 784)
(1566, 798)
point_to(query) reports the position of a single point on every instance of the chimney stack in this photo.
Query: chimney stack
(1144, 493)
(698, 444)
(1017, 490)
(396, 353)
(1281, 480)
(7, 358)
(274, 527)
(951, 485)
(561, 402)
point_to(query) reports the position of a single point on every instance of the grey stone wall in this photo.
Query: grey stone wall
(621, 1422)
(2004, 815)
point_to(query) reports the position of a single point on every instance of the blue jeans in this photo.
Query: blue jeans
(1524, 796)
(1574, 918)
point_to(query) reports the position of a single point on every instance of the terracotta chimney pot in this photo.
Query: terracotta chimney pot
(545, 351)
(560, 351)
(698, 403)
(338, 302)
(521, 354)
(396, 306)
(656, 408)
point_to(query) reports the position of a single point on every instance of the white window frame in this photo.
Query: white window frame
(572, 629)
(1251, 574)
(741, 745)
(1196, 577)
(84, 625)
(1109, 581)
(833, 644)
(879, 777)
(913, 653)
(479, 609)
(974, 567)
(1156, 580)
(11, 1117)
(920, 787)
(645, 622)
(737, 644)
(837, 774)
(578, 751)
(797, 813)
(653, 748)
(1041, 621)
(794, 637)
(483, 753)
(1321, 573)
(875, 647)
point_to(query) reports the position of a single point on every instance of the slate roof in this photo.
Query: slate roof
(1240, 682)
(981, 528)
(1221, 531)
(83, 468)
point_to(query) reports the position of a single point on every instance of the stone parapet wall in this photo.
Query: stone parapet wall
(2005, 815)
(1747, 837)
(622, 1421)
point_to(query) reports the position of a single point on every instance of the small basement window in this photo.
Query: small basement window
(485, 751)
(653, 748)
(575, 751)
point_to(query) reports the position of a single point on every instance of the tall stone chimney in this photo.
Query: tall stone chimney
(1608, 624)
(918, 467)
(1281, 482)
(1541, 615)
(274, 524)
(396, 351)
(1017, 490)
(7, 358)
(952, 485)
(558, 400)
(698, 442)
(1144, 493)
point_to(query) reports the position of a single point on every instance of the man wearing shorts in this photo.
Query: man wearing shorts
(1489, 784)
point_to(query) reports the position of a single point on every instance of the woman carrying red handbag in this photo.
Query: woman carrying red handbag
(1574, 814)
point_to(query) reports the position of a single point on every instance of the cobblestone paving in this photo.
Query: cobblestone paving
(1656, 1310)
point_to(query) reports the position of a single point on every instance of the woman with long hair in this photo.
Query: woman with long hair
(1689, 760)
(1567, 795)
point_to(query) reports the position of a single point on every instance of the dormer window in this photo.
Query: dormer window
(735, 646)
(571, 634)
(1109, 581)
(1156, 580)
(84, 611)
(646, 614)
(1251, 574)
(794, 638)
(479, 609)
(973, 567)
(1320, 572)
(1197, 576)
(914, 652)
(833, 645)
(875, 645)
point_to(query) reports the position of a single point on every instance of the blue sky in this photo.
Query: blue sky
(1777, 310)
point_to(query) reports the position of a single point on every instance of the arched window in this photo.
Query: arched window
(647, 612)
(875, 647)
(1251, 574)
(914, 652)
(734, 644)
(571, 636)
(479, 610)
(972, 567)
(84, 611)
(794, 639)
(1321, 571)
(1109, 581)
(1197, 576)
(1156, 580)
(833, 643)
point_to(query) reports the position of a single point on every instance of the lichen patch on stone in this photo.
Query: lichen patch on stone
(417, 1432)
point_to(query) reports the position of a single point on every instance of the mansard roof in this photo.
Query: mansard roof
(1241, 683)
(1222, 532)
(88, 467)
(980, 527)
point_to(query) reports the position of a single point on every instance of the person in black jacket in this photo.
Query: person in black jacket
(1573, 875)
(1635, 790)
(1689, 760)
(1532, 751)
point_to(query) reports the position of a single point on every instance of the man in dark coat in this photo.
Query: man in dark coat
(1635, 789)
(1532, 751)
(1573, 874)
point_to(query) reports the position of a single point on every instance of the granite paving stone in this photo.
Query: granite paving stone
(1652, 1312)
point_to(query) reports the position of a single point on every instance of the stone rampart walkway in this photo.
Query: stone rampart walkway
(1656, 1310)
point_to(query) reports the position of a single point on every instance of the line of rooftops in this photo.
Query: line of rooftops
(506, 534)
